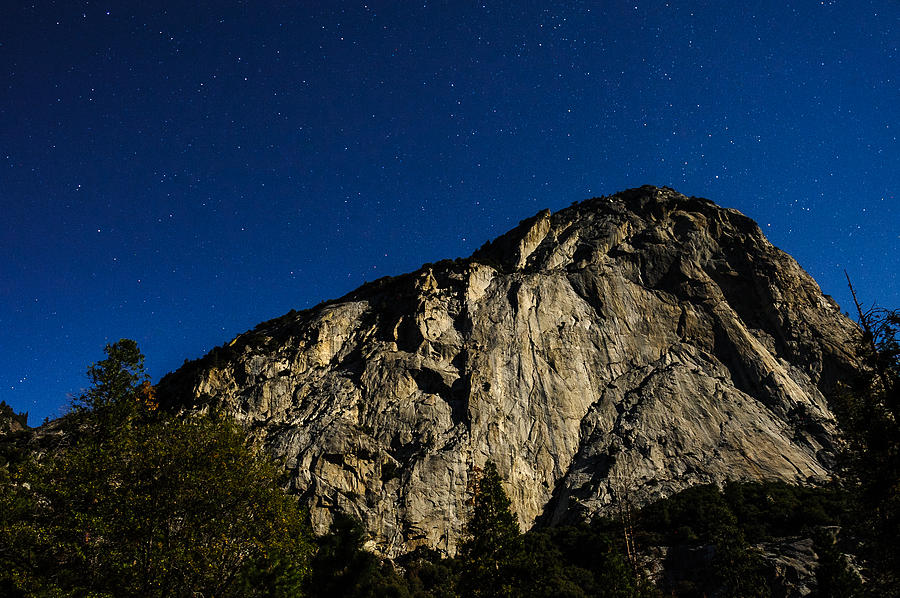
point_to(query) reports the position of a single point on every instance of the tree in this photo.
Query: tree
(143, 503)
(342, 567)
(10, 421)
(114, 380)
(868, 410)
(429, 575)
(738, 569)
(834, 577)
(579, 561)
(493, 546)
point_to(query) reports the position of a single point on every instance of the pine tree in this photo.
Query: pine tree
(834, 578)
(493, 548)
(114, 380)
(868, 410)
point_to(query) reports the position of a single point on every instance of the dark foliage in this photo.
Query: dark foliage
(868, 409)
(115, 384)
(759, 511)
(7, 414)
(342, 567)
(710, 532)
(12, 448)
(497, 560)
(834, 577)
(429, 575)
(583, 560)
(136, 503)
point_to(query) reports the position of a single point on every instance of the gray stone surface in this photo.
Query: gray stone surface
(626, 346)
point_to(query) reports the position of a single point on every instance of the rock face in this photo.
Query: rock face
(625, 347)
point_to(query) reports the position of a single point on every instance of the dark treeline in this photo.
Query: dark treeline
(710, 535)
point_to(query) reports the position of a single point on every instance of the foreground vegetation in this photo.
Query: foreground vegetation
(129, 501)
(710, 535)
(120, 498)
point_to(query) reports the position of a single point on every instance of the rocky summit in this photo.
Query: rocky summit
(623, 348)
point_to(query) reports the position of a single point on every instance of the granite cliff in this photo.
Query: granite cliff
(625, 347)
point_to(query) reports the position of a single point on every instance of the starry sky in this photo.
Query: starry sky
(176, 172)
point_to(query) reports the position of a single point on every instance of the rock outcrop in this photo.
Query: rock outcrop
(625, 347)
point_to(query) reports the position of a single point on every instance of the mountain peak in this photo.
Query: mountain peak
(638, 343)
(642, 208)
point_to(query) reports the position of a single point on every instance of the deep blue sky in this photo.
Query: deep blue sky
(176, 172)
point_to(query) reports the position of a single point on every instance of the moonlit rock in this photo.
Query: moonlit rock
(623, 348)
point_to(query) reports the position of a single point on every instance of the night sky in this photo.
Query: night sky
(176, 172)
